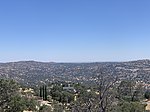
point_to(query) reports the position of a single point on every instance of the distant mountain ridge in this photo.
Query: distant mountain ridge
(33, 72)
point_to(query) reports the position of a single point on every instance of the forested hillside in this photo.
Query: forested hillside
(32, 73)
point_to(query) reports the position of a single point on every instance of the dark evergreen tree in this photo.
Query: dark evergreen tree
(45, 89)
(147, 94)
(41, 92)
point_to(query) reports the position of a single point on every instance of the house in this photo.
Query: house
(69, 89)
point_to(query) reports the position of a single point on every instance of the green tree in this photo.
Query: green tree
(30, 104)
(67, 97)
(40, 91)
(147, 94)
(126, 106)
(8, 89)
(45, 89)
(45, 108)
(129, 90)
(17, 104)
(11, 100)
(43, 93)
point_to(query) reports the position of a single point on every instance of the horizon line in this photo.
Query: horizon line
(72, 61)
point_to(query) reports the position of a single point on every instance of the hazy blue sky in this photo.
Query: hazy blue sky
(74, 30)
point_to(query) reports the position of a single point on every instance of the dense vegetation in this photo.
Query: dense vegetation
(11, 99)
(107, 93)
(101, 97)
(90, 99)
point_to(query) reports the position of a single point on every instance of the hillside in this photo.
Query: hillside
(31, 72)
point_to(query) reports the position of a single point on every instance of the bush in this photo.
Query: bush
(147, 94)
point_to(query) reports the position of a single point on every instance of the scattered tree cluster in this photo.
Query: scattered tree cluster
(43, 92)
(11, 100)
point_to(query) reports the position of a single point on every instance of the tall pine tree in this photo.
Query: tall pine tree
(45, 92)
(40, 91)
